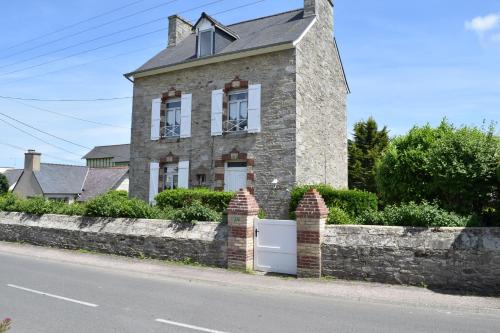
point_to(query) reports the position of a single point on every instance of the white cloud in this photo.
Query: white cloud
(482, 24)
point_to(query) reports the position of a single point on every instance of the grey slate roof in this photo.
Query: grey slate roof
(119, 153)
(101, 180)
(61, 179)
(262, 32)
(13, 175)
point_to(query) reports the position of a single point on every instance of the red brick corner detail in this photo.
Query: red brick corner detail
(312, 205)
(171, 93)
(243, 203)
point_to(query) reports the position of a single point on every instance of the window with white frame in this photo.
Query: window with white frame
(173, 118)
(170, 177)
(205, 43)
(237, 111)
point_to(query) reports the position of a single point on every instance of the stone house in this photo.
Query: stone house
(67, 183)
(258, 104)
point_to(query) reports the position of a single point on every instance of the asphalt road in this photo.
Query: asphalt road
(42, 295)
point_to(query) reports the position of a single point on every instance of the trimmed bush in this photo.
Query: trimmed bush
(416, 215)
(196, 212)
(117, 204)
(182, 198)
(353, 202)
(338, 216)
(454, 167)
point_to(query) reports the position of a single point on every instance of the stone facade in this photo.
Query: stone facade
(205, 243)
(467, 259)
(321, 131)
(303, 137)
(272, 151)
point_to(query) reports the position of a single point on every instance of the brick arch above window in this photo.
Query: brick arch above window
(235, 84)
(171, 94)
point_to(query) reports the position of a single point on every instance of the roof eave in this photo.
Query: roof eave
(213, 59)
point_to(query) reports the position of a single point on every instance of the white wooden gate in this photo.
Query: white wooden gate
(275, 248)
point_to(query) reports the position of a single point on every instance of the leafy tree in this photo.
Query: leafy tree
(454, 167)
(4, 184)
(366, 147)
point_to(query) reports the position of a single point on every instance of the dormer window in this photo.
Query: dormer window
(205, 42)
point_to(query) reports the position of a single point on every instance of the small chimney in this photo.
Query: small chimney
(32, 161)
(315, 7)
(178, 30)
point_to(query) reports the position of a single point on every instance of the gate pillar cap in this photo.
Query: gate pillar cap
(243, 203)
(312, 205)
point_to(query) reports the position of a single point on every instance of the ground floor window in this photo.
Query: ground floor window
(170, 177)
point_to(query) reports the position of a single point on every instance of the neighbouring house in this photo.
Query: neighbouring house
(258, 104)
(12, 176)
(67, 183)
(108, 156)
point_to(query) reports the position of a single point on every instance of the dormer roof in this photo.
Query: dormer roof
(215, 23)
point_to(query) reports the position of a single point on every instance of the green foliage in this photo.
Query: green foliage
(338, 216)
(455, 167)
(353, 202)
(181, 198)
(5, 325)
(196, 212)
(416, 215)
(4, 184)
(117, 204)
(365, 148)
(262, 214)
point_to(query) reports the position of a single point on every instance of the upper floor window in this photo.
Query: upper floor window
(205, 43)
(238, 111)
(173, 118)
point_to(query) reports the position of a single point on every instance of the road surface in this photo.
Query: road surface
(64, 291)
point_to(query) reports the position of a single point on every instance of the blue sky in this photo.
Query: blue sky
(407, 62)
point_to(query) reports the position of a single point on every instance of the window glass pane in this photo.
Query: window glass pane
(243, 110)
(233, 111)
(171, 105)
(205, 43)
(170, 118)
(178, 116)
(238, 96)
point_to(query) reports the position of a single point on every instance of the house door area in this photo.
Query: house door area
(235, 176)
(170, 177)
(275, 246)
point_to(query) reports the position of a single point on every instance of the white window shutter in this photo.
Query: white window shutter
(183, 174)
(186, 107)
(154, 174)
(254, 107)
(155, 118)
(217, 108)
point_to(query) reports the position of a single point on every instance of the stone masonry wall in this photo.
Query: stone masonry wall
(205, 243)
(449, 258)
(321, 105)
(273, 150)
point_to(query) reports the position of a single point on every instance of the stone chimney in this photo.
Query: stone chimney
(178, 29)
(32, 161)
(315, 7)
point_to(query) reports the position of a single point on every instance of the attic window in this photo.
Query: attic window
(205, 43)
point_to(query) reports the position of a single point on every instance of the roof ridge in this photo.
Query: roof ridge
(120, 144)
(60, 164)
(264, 17)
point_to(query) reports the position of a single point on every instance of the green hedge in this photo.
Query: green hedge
(416, 215)
(338, 216)
(181, 198)
(353, 202)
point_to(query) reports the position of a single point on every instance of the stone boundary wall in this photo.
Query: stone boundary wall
(204, 242)
(467, 259)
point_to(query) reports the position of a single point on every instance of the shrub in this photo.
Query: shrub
(4, 184)
(353, 202)
(181, 198)
(338, 216)
(9, 202)
(416, 215)
(5, 325)
(116, 204)
(196, 212)
(456, 168)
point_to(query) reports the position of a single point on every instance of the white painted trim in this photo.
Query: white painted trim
(53, 296)
(214, 59)
(305, 32)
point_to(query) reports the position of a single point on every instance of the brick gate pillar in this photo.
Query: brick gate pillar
(311, 219)
(242, 211)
